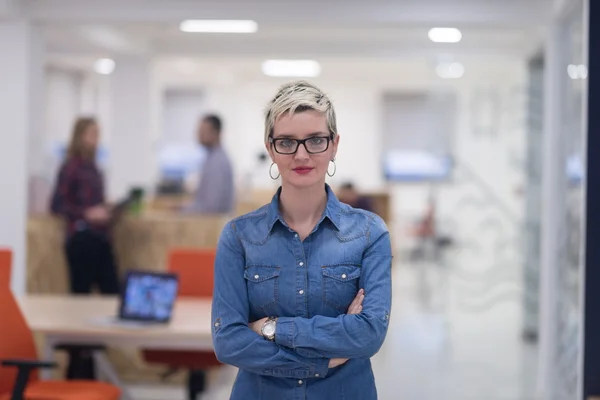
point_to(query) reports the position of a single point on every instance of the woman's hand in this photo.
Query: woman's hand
(354, 308)
(256, 326)
(336, 362)
(356, 305)
(99, 214)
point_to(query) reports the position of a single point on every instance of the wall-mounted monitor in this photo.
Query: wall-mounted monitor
(416, 166)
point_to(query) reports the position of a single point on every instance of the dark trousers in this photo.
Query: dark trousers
(91, 263)
(196, 383)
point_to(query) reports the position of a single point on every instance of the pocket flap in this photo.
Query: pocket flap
(261, 273)
(342, 273)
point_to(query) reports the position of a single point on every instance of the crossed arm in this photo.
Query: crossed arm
(303, 347)
(354, 308)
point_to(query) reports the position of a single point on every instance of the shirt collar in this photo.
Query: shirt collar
(332, 210)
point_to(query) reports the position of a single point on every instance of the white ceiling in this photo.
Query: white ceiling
(310, 28)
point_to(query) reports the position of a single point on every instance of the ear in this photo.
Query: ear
(269, 149)
(335, 143)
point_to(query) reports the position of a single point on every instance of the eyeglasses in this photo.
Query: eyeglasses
(313, 145)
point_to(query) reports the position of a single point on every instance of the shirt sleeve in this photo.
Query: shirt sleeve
(68, 206)
(349, 336)
(234, 342)
(219, 198)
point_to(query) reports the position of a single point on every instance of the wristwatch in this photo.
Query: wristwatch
(268, 328)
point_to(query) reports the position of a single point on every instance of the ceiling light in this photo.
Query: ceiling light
(583, 71)
(291, 68)
(218, 26)
(445, 35)
(572, 71)
(577, 71)
(104, 66)
(453, 70)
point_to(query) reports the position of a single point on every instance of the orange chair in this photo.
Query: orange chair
(18, 359)
(5, 268)
(195, 268)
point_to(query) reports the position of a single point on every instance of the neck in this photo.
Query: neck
(302, 206)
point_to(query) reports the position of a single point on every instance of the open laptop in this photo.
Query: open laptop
(148, 297)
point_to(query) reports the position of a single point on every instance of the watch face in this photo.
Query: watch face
(269, 329)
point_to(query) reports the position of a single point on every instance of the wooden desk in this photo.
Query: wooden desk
(139, 242)
(87, 320)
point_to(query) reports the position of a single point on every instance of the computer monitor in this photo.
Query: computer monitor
(148, 296)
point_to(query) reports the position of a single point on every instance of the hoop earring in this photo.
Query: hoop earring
(334, 168)
(271, 172)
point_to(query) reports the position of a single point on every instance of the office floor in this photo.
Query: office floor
(441, 344)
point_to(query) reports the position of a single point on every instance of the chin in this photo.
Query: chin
(301, 182)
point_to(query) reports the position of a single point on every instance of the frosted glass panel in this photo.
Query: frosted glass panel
(418, 134)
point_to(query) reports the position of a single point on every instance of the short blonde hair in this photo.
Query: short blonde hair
(299, 96)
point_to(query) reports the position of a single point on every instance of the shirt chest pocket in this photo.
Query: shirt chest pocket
(340, 285)
(263, 285)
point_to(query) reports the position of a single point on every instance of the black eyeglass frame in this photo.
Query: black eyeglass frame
(299, 142)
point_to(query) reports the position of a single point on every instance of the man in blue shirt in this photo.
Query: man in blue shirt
(215, 191)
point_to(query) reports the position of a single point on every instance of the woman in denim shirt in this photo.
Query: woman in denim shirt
(302, 291)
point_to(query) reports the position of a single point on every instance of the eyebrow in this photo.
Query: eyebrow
(290, 136)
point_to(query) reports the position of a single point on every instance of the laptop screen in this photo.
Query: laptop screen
(149, 296)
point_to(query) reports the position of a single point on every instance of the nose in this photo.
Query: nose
(301, 153)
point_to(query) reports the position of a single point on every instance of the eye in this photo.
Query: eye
(286, 143)
(316, 141)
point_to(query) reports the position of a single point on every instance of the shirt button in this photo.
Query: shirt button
(256, 276)
(300, 382)
(301, 291)
(217, 324)
(343, 276)
(316, 375)
(300, 263)
(295, 235)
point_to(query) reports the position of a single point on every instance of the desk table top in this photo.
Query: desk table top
(84, 315)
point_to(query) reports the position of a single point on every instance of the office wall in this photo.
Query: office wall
(62, 103)
(481, 206)
(237, 90)
(489, 136)
(69, 93)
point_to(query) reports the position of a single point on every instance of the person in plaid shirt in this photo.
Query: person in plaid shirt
(79, 198)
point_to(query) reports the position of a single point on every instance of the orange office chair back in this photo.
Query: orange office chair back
(195, 268)
(16, 339)
(5, 267)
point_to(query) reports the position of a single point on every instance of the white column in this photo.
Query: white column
(552, 210)
(21, 116)
(583, 244)
(132, 159)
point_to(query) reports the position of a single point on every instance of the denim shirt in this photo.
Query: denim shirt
(263, 269)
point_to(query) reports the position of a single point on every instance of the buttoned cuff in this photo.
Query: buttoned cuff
(321, 368)
(285, 331)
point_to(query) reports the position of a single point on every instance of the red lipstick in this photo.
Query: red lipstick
(302, 170)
